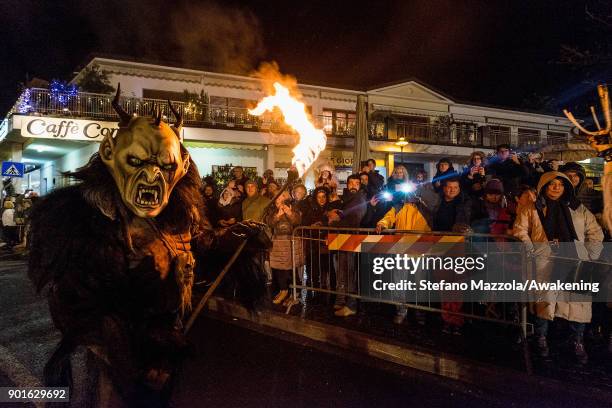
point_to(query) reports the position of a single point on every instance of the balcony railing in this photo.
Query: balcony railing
(98, 106)
(340, 127)
(458, 134)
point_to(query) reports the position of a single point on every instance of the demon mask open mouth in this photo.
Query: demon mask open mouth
(146, 160)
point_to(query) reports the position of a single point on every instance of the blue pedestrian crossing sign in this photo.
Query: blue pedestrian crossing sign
(12, 169)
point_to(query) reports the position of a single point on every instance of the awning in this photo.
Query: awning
(574, 150)
(398, 110)
(212, 145)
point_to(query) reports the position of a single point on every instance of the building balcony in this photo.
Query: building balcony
(423, 130)
(83, 105)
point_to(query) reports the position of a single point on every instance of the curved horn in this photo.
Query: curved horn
(158, 116)
(177, 115)
(123, 115)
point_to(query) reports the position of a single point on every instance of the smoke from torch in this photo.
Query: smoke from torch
(312, 140)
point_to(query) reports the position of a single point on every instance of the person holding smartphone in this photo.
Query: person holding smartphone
(473, 177)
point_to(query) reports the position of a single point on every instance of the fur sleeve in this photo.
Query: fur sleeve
(80, 252)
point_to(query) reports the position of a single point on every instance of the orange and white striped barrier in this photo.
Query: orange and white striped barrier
(394, 244)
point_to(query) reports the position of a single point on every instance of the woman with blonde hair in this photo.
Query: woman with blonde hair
(398, 176)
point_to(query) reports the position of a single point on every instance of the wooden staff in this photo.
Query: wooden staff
(292, 176)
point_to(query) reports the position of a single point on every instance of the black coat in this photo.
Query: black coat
(233, 210)
(450, 214)
(375, 182)
(353, 209)
(510, 173)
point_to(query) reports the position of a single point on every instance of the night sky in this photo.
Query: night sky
(489, 52)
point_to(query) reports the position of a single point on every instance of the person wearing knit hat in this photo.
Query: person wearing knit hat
(591, 198)
(254, 205)
(494, 186)
(489, 214)
(327, 176)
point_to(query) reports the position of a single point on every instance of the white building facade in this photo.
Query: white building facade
(54, 134)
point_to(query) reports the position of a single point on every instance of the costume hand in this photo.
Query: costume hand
(373, 201)
(247, 228)
(379, 228)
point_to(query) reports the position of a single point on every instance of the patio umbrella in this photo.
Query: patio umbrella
(362, 148)
(575, 149)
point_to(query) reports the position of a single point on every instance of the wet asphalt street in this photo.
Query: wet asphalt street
(237, 367)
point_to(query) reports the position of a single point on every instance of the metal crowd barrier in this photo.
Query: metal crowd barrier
(322, 270)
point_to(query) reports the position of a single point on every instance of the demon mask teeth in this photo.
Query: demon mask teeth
(146, 160)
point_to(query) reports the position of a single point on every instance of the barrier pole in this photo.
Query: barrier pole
(294, 269)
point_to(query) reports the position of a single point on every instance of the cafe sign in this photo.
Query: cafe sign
(342, 159)
(67, 129)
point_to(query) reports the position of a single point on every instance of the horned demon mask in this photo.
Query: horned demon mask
(145, 158)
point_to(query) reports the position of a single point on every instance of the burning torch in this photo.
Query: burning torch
(312, 142)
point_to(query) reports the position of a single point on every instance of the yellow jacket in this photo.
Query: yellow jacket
(408, 218)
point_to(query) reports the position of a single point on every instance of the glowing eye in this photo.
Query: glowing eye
(169, 167)
(133, 161)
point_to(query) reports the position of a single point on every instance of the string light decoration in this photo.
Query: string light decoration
(23, 105)
(61, 92)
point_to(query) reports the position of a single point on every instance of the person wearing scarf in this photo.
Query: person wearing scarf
(557, 217)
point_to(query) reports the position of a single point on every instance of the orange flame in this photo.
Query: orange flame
(312, 140)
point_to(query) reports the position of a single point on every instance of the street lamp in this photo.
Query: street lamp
(401, 142)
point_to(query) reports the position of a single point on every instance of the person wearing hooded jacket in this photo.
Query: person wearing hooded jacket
(229, 207)
(556, 217)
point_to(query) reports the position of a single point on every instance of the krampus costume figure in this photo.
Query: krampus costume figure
(115, 252)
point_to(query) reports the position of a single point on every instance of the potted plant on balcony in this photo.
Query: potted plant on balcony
(95, 80)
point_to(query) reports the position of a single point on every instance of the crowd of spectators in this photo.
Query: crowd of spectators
(528, 198)
(502, 195)
(14, 219)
